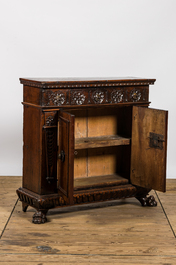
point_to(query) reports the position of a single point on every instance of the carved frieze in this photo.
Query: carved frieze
(54, 98)
(112, 95)
(135, 95)
(98, 96)
(78, 98)
(117, 96)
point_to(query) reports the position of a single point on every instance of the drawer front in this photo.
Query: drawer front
(95, 96)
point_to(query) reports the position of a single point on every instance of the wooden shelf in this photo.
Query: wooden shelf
(99, 182)
(101, 141)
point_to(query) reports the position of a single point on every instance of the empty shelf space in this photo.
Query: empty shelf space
(100, 141)
(99, 181)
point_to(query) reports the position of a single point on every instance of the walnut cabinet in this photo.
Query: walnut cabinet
(90, 140)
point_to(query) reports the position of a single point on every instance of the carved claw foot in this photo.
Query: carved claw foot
(147, 201)
(24, 206)
(39, 217)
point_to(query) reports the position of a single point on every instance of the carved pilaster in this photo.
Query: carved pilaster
(50, 130)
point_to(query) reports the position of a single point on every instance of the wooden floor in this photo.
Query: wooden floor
(124, 233)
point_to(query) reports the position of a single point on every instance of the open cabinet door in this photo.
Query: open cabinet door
(148, 148)
(66, 156)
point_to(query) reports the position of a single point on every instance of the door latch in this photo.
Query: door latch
(156, 140)
(61, 156)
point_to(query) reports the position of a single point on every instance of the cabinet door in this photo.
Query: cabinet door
(148, 148)
(66, 155)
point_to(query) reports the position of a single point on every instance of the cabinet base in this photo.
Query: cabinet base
(42, 203)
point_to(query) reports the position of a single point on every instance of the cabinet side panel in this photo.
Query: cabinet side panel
(148, 155)
(32, 95)
(32, 149)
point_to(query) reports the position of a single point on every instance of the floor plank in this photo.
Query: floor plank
(8, 198)
(83, 259)
(168, 200)
(120, 232)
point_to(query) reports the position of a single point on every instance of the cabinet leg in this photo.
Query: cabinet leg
(40, 217)
(24, 206)
(147, 201)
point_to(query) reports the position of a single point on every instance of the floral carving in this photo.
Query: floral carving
(57, 98)
(50, 121)
(78, 98)
(135, 95)
(98, 96)
(117, 96)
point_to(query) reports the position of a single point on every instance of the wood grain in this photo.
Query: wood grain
(148, 164)
(104, 161)
(100, 181)
(66, 166)
(80, 157)
(101, 141)
(124, 233)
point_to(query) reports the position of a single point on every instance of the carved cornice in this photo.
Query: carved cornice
(85, 84)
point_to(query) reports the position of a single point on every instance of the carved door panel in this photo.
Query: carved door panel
(148, 148)
(66, 155)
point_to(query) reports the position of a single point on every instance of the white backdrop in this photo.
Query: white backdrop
(71, 38)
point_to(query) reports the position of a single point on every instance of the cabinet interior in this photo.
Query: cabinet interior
(102, 147)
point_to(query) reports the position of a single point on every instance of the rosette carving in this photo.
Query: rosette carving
(135, 95)
(50, 121)
(117, 96)
(78, 98)
(57, 98)
(98, 96)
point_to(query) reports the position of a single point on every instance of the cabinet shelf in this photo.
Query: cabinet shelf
(100, 141)
(99, 182)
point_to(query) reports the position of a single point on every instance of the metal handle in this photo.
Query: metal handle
(61, 156)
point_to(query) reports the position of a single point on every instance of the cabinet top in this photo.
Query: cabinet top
(84, 82)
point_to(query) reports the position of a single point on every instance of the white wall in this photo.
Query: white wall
(59, 38)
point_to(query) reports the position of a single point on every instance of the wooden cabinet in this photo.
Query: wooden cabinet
(90, 140)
